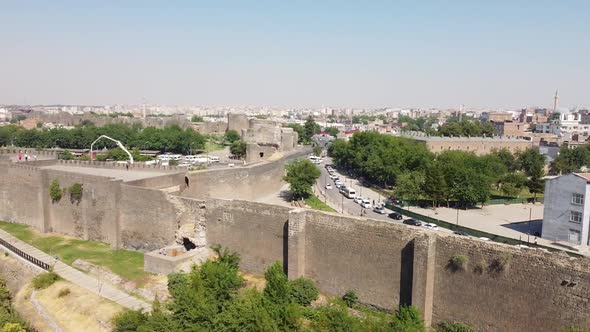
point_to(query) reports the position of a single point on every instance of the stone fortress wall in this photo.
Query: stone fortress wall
(386, 264)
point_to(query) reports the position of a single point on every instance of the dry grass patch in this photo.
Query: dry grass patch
(80, 310)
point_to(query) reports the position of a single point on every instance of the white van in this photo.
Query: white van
(214, 159)
(175, 156)
(164, 157)
(349, 193)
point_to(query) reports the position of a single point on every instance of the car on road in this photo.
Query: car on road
(395, 216)
(366, 203)
(379, 209)
(412, 222)
(484, 238)
(342, 189)
(328, 186)
(338, 184)
(358, 200)
(461, 233)
(431, 226)
(333, 176)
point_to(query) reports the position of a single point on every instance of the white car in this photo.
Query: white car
(328, 186)
(358, 200)
(431, 226)
(366, 203)
(338, 184)
(379, 209)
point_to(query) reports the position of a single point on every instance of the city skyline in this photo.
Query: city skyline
(334, 54)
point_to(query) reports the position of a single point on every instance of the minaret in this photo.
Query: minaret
(556, 100)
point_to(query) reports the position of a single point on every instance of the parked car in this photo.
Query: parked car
(461, 233)
(338, 184)
(328, 186)
(484, 238)
(379, 209)
(395, 216)
(412, 222)
(431, 226)
(358, 200)
(366, 203)
(342, 189)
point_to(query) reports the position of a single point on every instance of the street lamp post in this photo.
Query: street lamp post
(457, 216)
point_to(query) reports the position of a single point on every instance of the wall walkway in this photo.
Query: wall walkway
(72, 275)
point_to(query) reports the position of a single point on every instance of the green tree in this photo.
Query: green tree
(128, 321)
(536, 183)
(246, 313)
(232, 136)
(409, 186)
(311, 128)
(238, 148)
(435, 184)
(301, 176)
(332, 131)
(530, 161)
(277, 289)
(303, 291)
(12, 327)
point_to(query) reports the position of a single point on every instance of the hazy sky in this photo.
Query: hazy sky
(296, 53)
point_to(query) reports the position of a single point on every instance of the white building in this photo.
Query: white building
(566, 215)
(569, 123)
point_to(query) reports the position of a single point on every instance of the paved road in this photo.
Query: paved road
(347, 206)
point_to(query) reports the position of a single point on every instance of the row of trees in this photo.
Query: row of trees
(213, 297)
(471, 128)
(571, 160)
(170, 139)
(441, 178)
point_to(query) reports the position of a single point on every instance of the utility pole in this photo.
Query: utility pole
(342, 204)
(457, 216)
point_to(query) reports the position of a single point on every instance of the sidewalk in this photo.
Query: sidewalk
(81, 279)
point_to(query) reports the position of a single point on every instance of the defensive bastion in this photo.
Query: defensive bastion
(496, 288)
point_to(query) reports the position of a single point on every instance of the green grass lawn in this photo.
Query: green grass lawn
(126, 263)
(524, 193)
(316, 204)
(213, 146)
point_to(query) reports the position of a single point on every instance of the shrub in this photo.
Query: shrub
(458, 262)
(277, 285)
(227, 256)
(64, 292)
(350, 298)
(500, 264)
(128, 321)
(6, 253)
(45, 280)
(55, 191)
(75, 191)
(408, 319)
(303, 291)
(454, 327)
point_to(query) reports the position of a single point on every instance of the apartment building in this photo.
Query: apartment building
(566, 215)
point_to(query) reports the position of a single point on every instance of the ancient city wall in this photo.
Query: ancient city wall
(94, 217)
(160, 182)
(21, 197)
(500, 288)
(147, 218)
(344, 254)
(535, 291)
(246, 183)
(256, 231)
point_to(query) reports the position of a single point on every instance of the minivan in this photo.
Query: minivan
(349, 193)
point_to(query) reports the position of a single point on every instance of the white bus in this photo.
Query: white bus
(349, 193)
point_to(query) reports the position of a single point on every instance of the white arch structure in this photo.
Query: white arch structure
(114, 140)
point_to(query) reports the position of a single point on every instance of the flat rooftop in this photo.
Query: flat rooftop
(118, 174)
(465, 139)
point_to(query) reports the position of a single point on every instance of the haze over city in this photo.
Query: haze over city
(499, 54)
